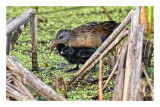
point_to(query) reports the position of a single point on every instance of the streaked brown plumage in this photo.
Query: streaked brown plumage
(89, 35)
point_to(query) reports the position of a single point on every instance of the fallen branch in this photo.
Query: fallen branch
(28, 78)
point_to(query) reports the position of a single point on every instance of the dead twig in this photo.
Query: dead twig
(100, 85)
(109, 17)
(149, 82)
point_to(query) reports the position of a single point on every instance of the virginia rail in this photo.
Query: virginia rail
(74, 55)
(89, 35)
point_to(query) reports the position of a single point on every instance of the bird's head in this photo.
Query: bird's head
(63, 36)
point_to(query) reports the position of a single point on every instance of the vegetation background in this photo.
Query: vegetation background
(51, 66)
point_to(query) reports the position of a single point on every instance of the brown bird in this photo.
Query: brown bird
(89, 35)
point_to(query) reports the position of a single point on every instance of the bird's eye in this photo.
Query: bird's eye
(60, 37)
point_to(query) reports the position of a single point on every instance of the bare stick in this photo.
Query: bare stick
(28, 78)
(149, 82)
(112, 73)
(100, 81)
(97, 79)
(105, 44)
(8, 36)
(109, 17)
(33, 21)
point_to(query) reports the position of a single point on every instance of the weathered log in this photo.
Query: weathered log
(34, 29)
(105, 44)
(30, 79)
(106, 51)
(134, 59)
(119, 84)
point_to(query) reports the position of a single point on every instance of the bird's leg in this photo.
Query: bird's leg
(76, 68)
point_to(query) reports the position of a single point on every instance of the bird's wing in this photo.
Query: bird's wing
(85, 53)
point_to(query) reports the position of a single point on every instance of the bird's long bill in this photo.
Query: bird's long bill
(54, 45)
